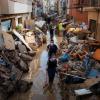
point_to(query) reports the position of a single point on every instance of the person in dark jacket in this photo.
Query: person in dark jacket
(51, 30)
(52, 49)
(52, 65)
(48, 20)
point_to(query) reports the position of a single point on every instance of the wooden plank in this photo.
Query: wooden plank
(73, 75)
(22, 39)
(9, 42)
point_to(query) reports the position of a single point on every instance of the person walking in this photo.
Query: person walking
(52, 49)
(52, 65)
(60, 28)
(51, 30)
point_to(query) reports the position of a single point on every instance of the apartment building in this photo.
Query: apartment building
(87, 11)
(76, 11)
(92, 7)
(13, 12)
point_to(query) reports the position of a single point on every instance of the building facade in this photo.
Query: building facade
(92, 7)
(87, 11)
(77, 12)
(14, 12)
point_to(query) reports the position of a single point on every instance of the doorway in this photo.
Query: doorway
(93, 26)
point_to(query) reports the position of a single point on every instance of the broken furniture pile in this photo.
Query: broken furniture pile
(84, 63)
(32, 39)
(34, 35)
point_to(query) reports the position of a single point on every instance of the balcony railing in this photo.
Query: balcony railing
(94, 3)
(88, 3)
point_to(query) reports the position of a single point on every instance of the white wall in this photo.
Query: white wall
(16, 7)
(11, 7)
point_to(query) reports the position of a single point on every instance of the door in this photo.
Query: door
(92, 25)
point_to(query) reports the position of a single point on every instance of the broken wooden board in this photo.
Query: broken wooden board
(9, 42)
(22, 39)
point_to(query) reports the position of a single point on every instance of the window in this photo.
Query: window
(94, 3)
(6, 25)
(20, 20)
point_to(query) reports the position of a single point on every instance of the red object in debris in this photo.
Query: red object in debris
(96, 54)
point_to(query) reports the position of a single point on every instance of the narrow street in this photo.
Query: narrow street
(37, 74)
(49, 49)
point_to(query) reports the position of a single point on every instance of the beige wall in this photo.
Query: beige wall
(98, 29)
(94, 15)
(98, 33)
(99, 17)
(4, 6)
(0, 10)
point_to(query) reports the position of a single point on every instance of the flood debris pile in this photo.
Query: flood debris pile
(15, 58)
(79, 63)
(17, 49)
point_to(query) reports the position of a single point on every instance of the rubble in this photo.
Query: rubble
(12, 67)
(23, 86)
(9, 42)
(22, 39)
(14, 62)
(17, 50)
(25, 57)
(96, 88)
(83, 64)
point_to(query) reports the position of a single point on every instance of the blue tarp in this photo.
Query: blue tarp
(94, 73)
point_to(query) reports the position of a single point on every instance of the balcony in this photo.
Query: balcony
(88, 5)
